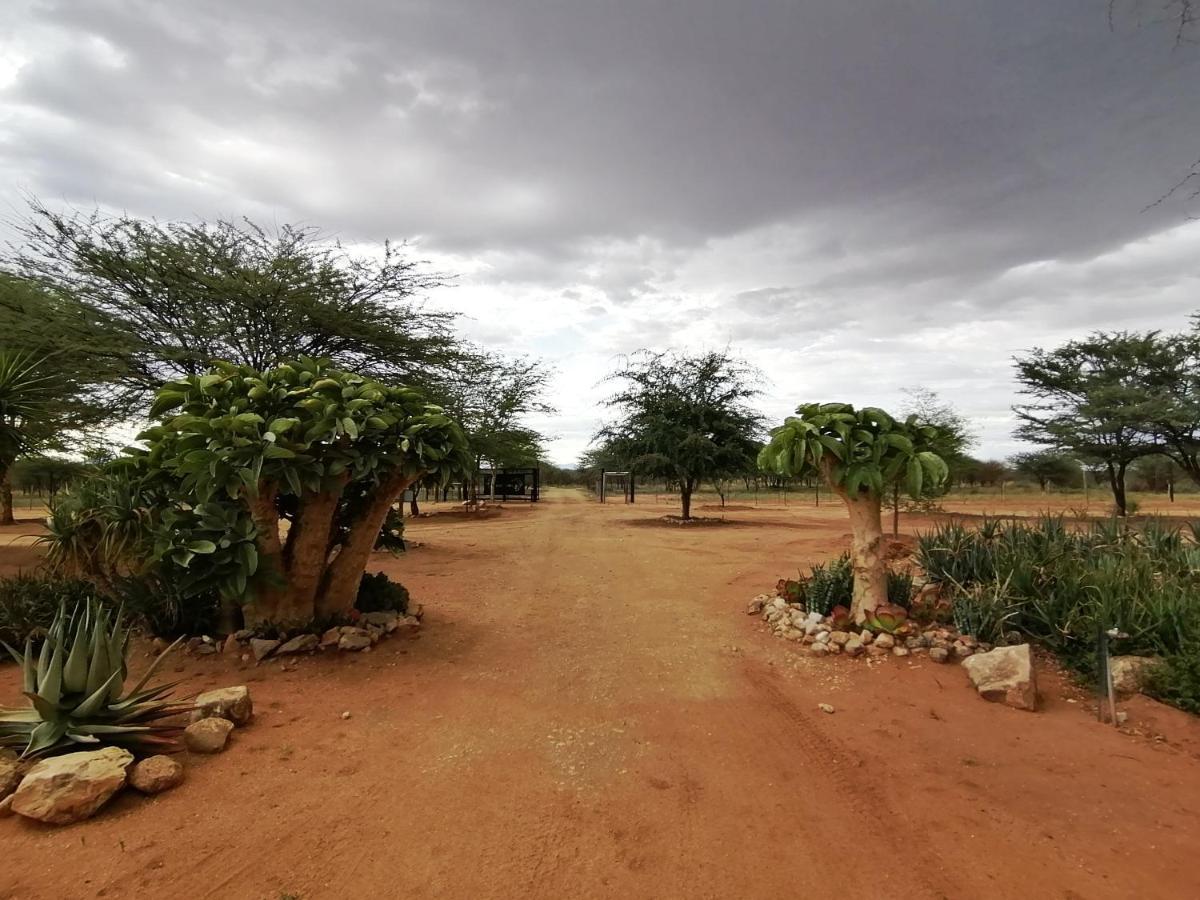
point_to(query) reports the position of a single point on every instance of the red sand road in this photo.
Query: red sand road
(589, 713)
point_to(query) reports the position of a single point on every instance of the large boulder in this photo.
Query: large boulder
(70, 788)
(1129, 672)
(1005, 675)
(232, 703)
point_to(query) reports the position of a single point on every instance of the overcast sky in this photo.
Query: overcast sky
(857, 197)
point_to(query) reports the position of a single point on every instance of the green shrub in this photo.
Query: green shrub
(900, 587)
(162, 606)
(29, 603)
(829, 584)
(1177, 679)
(1062, 587)
(378, 593)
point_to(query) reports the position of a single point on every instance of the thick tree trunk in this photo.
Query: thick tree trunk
(866, 554)
(307, 550)
(414, 508)
(6, 498)
(896, 509)
(345, 572)
(685, 496)
(272, 600)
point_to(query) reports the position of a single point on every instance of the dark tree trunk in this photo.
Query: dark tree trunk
(6, 500)
(1116, 480)
(685, 496)
(414, 508)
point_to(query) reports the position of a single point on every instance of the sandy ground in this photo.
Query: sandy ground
(590, 713)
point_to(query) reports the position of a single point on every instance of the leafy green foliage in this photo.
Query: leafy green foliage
(1062, 586)
(76, 685)
(828, 585)
(157, 601)
(199, 505)
(831, 584)
(166, 300)
(1176, 680)
(1097, 399)
(888, 618)
(29, 603)
(378, 593)
(859, 451)
(684, 418)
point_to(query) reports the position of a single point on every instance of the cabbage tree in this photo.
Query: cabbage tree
(861, 454)
(272, 486)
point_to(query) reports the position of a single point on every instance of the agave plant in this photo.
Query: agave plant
(76, 686)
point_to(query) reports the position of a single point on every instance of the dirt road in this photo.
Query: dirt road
(589, 713)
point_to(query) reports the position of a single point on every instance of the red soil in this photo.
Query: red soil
(590, 713)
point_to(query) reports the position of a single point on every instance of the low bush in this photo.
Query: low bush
(1063, 586)
(378, 593)
(1177, 679)
(29, 603)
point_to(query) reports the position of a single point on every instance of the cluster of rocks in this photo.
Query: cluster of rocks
(366, 633)
(63, 789)
(823, 637)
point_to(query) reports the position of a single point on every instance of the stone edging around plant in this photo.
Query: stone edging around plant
(821, 637)
(371, 628)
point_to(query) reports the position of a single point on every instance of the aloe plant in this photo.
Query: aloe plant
(76, 687)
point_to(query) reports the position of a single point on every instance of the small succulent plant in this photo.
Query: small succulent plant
(887, 618)
(840, 619)
(76, 685)
(790, 590)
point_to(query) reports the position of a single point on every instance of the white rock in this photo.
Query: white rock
(1005, 675)
(1129, 672)
(886, 641)
(232, 703)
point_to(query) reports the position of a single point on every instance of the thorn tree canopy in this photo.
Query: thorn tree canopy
(1096, 399)
(335, 449)
(684, 418)
(187, 294)
(860, 453)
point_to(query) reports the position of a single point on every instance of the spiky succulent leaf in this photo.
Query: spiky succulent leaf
(86, 705)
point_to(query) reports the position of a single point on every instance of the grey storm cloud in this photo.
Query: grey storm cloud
(801, 178)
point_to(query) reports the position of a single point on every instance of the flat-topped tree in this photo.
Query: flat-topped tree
(331, 450)
(861, 454)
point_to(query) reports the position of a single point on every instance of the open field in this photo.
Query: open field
(589, 713)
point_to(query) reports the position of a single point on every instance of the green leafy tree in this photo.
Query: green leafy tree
(242, 451)
(685, 418)
(954, 437)
(1095, 399)
(492, 398)
(27, 396)
(859, 453)
(169, 300)
(1047, 468)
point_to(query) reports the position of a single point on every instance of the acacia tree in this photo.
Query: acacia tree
(1096, 399)
(684, 418)
(166, 300)
(1047, 467)
(243, 450)
(27, 392)
(492, 397)
(860, 454)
